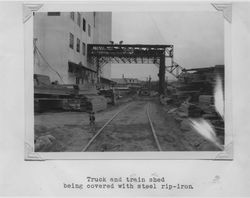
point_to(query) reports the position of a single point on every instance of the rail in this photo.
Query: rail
(153, 130)
(101, 129)
(112, 118)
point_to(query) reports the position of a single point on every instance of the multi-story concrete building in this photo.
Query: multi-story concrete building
(61, 40)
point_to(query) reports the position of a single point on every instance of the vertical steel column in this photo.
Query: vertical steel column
(161, 75)
(98, 69)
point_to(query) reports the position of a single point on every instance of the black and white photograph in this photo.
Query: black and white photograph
(128, 81)
(124, 98)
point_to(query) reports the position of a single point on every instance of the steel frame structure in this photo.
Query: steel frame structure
(101, 54)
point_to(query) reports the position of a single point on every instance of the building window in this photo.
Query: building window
(83, 25)
(78, 45)
(83, 49)
(89, 30)
(53, 13)
(71, 40)
(94, 18)
(72, 15)
(78, 19)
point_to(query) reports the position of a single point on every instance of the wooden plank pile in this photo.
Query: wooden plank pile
(90, 100)
(98, 103)
(48, 96)
(43, 86)
(193, 97)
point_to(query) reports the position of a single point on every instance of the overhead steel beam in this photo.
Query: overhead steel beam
(136, 53)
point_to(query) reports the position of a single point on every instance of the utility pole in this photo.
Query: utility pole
(98, 70)
(149, 83)
(161, 75)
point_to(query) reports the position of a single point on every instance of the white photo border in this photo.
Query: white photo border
(29, 8)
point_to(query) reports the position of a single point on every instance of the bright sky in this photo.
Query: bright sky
(198, 38)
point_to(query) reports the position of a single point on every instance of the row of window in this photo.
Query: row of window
(78, 44)
(78, 21)
(54, 13)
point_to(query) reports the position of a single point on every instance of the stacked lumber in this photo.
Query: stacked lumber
(90, 100)
(71, 104)
(43, 86)
(87, 89)
(206, 103)
(98, 103)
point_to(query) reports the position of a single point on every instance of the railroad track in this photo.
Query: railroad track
(95, 137)
(153, 130)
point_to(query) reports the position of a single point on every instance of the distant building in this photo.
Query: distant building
(127, 82)
(106, 83)
(120, 82)
(62, 38)
(133, 82)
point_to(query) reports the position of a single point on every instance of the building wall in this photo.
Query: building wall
(51, 42)
(52, 34)
(103, 34)
(73, 27)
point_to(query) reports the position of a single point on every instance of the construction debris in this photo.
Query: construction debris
(194, 98)
(44, 142)
(52, 96)
(90, 100)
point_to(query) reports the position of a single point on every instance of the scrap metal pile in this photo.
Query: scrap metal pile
(193, 97)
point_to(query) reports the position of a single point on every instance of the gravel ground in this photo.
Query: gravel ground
(70, 129)
(129, 131)
(174, 138)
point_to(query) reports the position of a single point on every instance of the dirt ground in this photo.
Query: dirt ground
(172, 137)
(129, 131)
(71, 129)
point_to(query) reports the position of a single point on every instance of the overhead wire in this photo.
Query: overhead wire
(160, 34)
(156, 27)
(41, 55)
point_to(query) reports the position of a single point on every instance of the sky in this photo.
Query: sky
(198, 38)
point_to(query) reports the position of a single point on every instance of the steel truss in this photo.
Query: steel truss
(101, 54)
